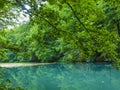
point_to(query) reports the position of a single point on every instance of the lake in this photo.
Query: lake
(62, 77)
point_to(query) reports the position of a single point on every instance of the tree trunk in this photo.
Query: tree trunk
(34, 58)
(118, 27)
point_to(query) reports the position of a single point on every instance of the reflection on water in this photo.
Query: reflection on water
(64, 77)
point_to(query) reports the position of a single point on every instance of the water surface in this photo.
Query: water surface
(63, 77)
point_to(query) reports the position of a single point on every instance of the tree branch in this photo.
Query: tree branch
(81, 22)
(78, 18)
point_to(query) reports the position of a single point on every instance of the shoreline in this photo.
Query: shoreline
(25, 64)
(11, 65)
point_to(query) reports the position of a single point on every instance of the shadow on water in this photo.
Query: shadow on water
(63, 77)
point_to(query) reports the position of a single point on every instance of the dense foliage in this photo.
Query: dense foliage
(65, 31)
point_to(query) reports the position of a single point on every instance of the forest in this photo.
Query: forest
(60, 31)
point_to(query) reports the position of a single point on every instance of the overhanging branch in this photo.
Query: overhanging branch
(78, 18)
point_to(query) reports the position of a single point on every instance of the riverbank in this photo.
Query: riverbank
(11, 65)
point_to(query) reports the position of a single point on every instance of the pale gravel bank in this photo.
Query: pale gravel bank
(10, 65)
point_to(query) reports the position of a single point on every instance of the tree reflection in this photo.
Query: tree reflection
(64, 77)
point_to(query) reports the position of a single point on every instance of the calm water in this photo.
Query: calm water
(63, 77)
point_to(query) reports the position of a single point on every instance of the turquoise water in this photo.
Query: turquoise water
(63, 77)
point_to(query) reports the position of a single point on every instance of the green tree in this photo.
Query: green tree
(69, 30)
